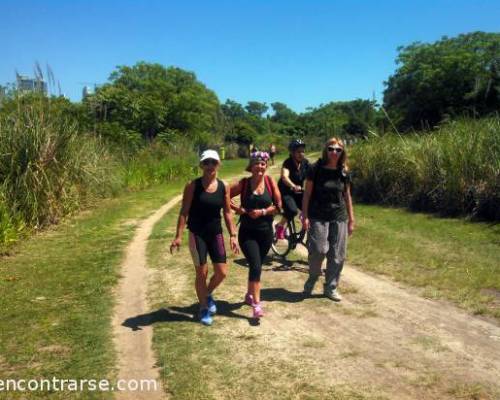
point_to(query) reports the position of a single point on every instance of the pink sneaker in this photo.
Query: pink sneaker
(248, 299)
(280, 232)
(257, 310)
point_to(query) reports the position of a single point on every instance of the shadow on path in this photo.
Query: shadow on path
(285, 296)
(184, 314)
(278, 264)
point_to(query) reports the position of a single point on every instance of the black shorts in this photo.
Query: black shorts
(200, 245)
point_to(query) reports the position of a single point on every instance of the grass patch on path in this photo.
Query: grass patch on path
(450, 258)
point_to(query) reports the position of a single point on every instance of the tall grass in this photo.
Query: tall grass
(453, 171)
(47, 167)
(50, 168)
(158, 163)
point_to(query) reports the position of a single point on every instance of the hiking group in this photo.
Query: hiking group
(320, 192)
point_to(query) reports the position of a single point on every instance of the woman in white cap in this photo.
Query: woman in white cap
(202, 202)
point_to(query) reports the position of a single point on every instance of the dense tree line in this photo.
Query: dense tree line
(433, 83)
(149, 101)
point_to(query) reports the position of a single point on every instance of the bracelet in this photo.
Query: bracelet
(233, 235)
(264, 211)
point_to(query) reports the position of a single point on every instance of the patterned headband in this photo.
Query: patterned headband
(259, 156)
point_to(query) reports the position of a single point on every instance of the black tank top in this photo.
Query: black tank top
(256, 202)
(204, 215)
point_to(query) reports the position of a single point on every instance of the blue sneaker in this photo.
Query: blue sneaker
(205, 317)
(212, 307)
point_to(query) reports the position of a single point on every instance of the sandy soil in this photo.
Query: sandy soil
(135, 356)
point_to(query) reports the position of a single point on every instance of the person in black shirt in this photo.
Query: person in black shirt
(203, 200)
(260, 200)
(293, 175)
(328, 217)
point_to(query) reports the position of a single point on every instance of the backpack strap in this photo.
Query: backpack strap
(245, 183)
(269, 186)
(270, 189)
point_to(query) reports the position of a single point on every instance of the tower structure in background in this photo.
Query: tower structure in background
(25, 84)
(87, 91)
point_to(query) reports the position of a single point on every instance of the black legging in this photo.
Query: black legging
(292, 203)
(255, 245)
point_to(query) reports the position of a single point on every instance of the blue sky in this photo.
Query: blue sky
(302, 53)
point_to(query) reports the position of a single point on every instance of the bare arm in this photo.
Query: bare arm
(285, 177)
(187, 199)
(234, 190)
(228, 218)
(305, 202)
(350, 210)
(307, 197)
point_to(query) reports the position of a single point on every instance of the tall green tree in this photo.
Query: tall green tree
(451, 77)
(256, 108)
(151, 99)
(283, 114)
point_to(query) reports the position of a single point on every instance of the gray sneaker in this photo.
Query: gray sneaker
(333, 295)
(309, 286)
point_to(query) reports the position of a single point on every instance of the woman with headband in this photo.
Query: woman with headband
(260, 200)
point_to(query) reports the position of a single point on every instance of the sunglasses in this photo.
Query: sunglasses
(335, 149)
(209, 161)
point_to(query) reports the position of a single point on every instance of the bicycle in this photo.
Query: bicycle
(281, 247)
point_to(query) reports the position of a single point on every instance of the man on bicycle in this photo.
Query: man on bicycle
(293, 175)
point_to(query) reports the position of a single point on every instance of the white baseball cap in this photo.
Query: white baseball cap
(209, 154)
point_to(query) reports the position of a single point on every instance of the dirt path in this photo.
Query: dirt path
(135, 357)
(382, 341)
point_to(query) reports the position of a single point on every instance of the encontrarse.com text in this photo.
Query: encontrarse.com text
(77, 385)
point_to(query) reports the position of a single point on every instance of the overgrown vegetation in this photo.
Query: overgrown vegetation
(453, 171)
(50, 166)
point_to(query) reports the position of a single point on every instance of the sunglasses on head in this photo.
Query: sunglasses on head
(335, 149)
(209, 161)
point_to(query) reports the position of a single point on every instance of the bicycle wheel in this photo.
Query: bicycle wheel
(281, 247)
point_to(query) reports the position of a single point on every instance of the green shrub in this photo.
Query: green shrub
(453, 171)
